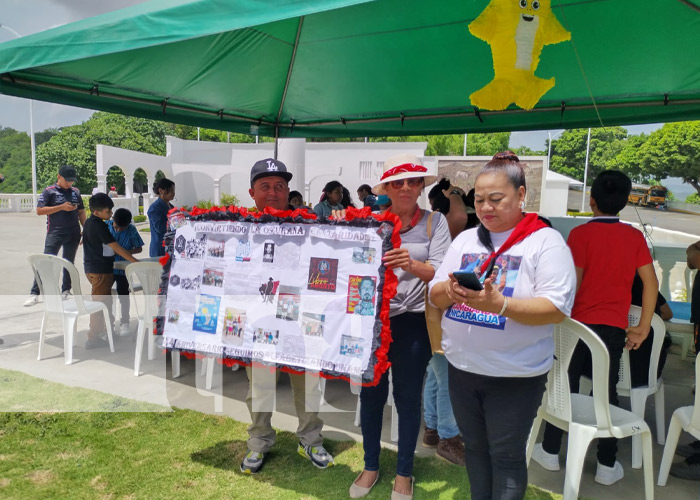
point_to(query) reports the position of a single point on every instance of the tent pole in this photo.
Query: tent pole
(585, 172)
(277, 140)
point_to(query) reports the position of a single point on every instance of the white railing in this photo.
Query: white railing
(16, 202)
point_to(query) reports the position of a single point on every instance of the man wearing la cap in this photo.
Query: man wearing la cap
(269, 187)
(63, 206)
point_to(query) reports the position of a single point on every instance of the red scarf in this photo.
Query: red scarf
(528, 225)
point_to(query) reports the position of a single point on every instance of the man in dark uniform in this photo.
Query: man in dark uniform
(63, 206)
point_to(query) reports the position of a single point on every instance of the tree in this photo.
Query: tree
(76, 145)
(569, 151)
(673, 151)
(627, 159)
(453, 144)
(15, 161)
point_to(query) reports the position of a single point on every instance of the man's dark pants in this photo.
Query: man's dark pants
(52, 245)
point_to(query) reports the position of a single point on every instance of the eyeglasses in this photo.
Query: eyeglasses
(412, 182)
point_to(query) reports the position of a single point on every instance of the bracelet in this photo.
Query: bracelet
(505, 306)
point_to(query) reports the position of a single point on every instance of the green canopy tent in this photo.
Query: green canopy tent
(340, 68)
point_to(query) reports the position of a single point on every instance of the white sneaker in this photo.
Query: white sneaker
(67, 295)
(31, 300)
(123, 329)
(609, 475)
(549, 461)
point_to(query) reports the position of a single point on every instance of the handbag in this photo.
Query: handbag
(433, 315)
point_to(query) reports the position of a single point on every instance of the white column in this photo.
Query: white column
(217, 192)
(102, 182)
(292, 152)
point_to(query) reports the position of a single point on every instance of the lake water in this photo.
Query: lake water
(680, 189)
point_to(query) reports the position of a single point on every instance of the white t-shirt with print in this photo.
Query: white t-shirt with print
(487, 344)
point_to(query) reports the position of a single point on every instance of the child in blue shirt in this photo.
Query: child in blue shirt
(126, 234)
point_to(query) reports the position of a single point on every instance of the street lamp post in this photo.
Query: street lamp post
(31, 129)
(549, 145)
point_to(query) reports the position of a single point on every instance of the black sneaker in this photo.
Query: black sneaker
(687, 469)
(317, 455)
(688, 450)
(96, 343)
(253, 462)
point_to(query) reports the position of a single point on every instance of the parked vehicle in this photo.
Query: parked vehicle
(648, 196)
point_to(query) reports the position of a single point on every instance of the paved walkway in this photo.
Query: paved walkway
(22, 234)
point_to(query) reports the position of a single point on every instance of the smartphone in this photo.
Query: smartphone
(468, 280)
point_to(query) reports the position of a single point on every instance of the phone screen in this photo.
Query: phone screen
(468, 280)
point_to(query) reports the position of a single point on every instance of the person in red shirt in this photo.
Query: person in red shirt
(606, 253)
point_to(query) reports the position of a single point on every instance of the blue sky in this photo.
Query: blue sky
(30, 16)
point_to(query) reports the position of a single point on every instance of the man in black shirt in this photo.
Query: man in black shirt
(63, 206)
(99, 247)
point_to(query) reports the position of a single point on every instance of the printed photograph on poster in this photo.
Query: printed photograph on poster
(193, 248)
(268, 290)
(361, 292)
(287, 255)
(234, 325)
(323, 274)
(385, 230)
(213, 277)
(363, 255)
(216, 247)
(351, 346)
(187, 282)
(242, 285)
(269, 252)
(173, 316)
(288, 302)
(207, 315)
(243, 251)
(312, 324)
(265, 336)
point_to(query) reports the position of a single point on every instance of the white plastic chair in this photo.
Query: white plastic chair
(586, 417)
(148, 276)
(638, 395)
(48, 271)
(355, 389)
(686, 418)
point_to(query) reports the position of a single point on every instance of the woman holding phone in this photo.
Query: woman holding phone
(498, 340)
(414, 264)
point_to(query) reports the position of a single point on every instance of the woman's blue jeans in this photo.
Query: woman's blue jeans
(437, 408)
(409, 354)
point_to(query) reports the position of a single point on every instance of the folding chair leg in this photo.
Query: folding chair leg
(151, 341)
(42, 334)
(685, 346)
(533, 436)
(139, 349)
(357, 412)
(322, 388)
(175, 354)
(637, 403)
(648, 466)
(579, 439)
(674, 432)
(108, 324)
(659, 402)
(68, 333)
(209, 363)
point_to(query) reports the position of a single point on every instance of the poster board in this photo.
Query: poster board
(462, 172)
(282, 288)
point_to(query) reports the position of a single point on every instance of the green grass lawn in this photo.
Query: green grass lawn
(125, 452)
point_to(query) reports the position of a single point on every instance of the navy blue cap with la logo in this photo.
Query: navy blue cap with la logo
(268, 168)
